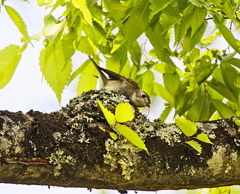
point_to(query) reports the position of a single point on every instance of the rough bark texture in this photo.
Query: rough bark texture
(67, 148)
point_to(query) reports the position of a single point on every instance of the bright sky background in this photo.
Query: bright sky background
(28, 90)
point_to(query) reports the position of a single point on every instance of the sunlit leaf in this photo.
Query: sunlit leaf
(163, 93)
(165, 113)
(108, 115)
(157, 6)
(18, 21)
(51, 30)
(82, 5)
(10, 58)
(131, 136)
(204, 138)
(195, 145)
(52, 63)
(124, 112)
(188, 127)
(113, 135)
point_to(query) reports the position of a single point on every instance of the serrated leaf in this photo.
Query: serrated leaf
(204, 138)
(223, 109)
(157, 6)
(163, 93)
(195, 145)
(188, 127)
(124, 112)
(85, 46)
(131, 136)
(52, 62)
(87, 81)
(136, 53)
(10, 58)
(154, 33)
(108, 115)
(82, 5)
(51, 30)
(137, 22)
(227, 34)
(18, 21)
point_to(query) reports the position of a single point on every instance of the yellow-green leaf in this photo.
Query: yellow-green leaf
(124, 112)
(204, 138)
(82, 5)
(51, 30)
(188, 127)
(131, 136)
(195, 145)
(237, 122)
(10, 58)
(113, 135)
(18, 21)
(108, 115)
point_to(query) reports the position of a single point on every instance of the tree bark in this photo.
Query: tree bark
(66, 148)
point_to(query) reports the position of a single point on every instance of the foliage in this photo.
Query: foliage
(123, 114)
(206, 87)
(189, 129)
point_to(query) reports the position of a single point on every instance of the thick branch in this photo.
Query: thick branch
(67, 148)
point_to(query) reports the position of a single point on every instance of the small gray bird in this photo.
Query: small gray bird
(122, 85)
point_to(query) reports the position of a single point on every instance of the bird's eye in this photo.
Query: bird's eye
(143, 95)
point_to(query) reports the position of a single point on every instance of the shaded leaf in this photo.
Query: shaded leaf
(157, 6)
(131, 136)
(227, 34)
(163, 93)
(124, 112)
(10, 58)
(165, 113)
(223, 109)
(188, 127)
(107, 114)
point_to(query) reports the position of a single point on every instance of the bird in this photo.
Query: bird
(122, 85)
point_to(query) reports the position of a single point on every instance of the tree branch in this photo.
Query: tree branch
(67, 148)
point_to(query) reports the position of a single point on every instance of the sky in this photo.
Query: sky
(28, 90)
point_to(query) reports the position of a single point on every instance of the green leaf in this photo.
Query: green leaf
(10, 58)
(237, 122)
(44, 2)
(223, 109)
(79, 70)
(124, 112)
(52, 63)
(204, 138)
(131, 136)
(107, 114)
(86, 46)
(18, 21)
(222, 90)
(136, 53)
(171, 80)
(155, 33)
(195, 145)
(157, 6)
(165, 113)
(113, 135)
(147, 80)
(51, 30)
(230, 75)
(137, 22)
(87, 81)
(163, 93)
(82, 5)
(227, 34)
(200, 109)
(235, 62)
(188, 127)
